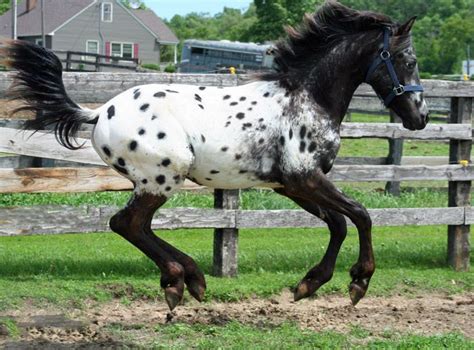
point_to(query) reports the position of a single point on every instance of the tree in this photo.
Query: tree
(135, 4)
(4, 6)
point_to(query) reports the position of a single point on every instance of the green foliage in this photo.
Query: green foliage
(170, 68)
(441, 35)
(4, 6)
(151, 66)
(135, 4)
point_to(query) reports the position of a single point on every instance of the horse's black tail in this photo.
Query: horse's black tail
(38, 82)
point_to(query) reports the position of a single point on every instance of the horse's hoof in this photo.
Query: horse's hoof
(303, 290)
(196, 289)
(173, 297)
(356, 293)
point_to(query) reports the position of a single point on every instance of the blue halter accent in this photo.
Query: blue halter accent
(385, 57)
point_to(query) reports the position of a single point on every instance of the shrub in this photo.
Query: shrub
(170, 68)
(425, 75)
(151, 66)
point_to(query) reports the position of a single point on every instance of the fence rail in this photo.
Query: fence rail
(452, 98)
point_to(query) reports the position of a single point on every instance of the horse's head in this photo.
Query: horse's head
(394, 77)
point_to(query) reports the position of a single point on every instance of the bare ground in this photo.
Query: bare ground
(91, 326)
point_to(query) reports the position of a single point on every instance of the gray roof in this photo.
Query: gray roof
(156, 25)
(228, 45)
(57, 12)
(29, 23)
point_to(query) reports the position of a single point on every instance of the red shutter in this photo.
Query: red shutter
(135, 50)
(107, 50)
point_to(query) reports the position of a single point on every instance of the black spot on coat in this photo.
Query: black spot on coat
(215, 171)
(110, 112)
(133, 145)
(266, 94)
(203, 138)
(226, 97)
(197, 97)
(106, 151)
(120, 169)
(136, 94)
(291, 134)
(282, 140)
(312, 147)
(160, 94)
(243, 98)
(172, 91)
(240, 115)
(145, 107)
(234, 103)
(202, 88)
(166, 162)
(302, 146)
(303, 132)
(161, 135)
(160, 179)
(224, 149)
(144, 181)
(201, 106)
(121, 161)
(141, 132)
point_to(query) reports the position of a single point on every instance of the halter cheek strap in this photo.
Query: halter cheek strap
(385, 57)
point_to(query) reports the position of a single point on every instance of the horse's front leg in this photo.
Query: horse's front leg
(315, 187)
(323, 271)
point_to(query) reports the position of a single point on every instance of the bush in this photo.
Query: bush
(170, 68)
(425, 75)
(151, 66)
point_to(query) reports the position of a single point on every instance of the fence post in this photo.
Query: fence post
(97, 63)
(68, 61)
(395, 153)
(225, 239)
(459, 191)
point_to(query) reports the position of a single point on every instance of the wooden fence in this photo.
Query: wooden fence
(76, 61)
(227, 218)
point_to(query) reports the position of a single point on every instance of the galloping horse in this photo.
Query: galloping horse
(279, 131)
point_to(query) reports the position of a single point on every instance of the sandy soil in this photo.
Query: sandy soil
(89, 327)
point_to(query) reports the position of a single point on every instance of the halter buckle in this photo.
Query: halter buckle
(399, 90)
(385, 55)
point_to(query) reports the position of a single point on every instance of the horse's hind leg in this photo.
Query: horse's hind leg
(317, 188)
(323, 271)
(134, 224)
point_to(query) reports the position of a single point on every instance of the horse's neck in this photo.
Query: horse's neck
(337, 75)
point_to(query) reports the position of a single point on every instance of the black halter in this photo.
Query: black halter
(385, 57)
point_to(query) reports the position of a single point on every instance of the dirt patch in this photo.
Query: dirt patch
(93, 324)
(6, 106)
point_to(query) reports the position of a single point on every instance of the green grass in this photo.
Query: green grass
(288, 336)
(69, 268)
(250, 199)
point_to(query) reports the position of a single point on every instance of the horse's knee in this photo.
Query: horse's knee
(124, 224)
(362, 218)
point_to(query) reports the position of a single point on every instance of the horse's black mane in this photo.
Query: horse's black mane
(319, 33)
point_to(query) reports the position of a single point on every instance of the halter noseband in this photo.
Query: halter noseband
(385, 57)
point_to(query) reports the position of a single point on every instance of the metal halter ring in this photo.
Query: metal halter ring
(399, 90)
(385, 55)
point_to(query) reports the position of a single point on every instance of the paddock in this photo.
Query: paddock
(64, 171)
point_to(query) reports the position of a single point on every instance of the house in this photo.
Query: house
(105, 27)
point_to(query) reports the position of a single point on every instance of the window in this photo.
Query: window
(92, 46)
(116, 50)
(107, 12)
(127, 50)
(124, 50)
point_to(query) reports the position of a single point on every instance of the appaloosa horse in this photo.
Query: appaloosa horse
(279, 131)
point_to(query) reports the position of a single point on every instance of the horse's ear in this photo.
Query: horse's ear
(405, 28)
